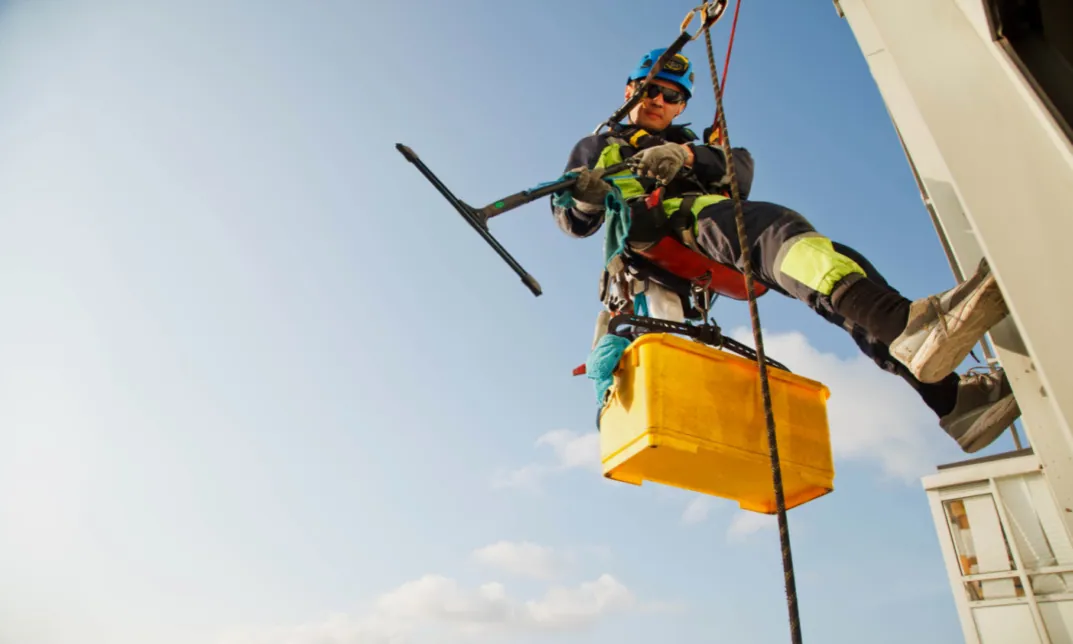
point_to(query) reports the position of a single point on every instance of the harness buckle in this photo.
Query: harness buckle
(654, 198)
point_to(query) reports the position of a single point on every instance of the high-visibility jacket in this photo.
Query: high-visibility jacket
(707, 175)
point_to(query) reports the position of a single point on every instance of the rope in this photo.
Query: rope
(754, 315)
(716, 135)
(730, 47)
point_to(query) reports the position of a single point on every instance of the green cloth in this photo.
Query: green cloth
(616, 224)
(616, 218)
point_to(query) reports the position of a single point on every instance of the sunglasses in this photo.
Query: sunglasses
(670, 95)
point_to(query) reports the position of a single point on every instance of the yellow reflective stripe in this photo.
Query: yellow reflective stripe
(814, 262)
(629, 186)
(636, 137)
(704, 201)
(671, 206)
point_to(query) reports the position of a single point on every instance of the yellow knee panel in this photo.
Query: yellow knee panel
(814, 262)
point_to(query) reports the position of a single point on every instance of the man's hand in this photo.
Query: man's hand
(663, 162)
(591, 189)
(690, 157)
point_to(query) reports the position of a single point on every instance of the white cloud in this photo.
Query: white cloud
(438, 603)
(745, 524)
(571, 608)
(436, 608)
(522, 558)
(571, 450)
(439, 599)
(527, 477)
(697, 510)
(742, 525)
(873, 415)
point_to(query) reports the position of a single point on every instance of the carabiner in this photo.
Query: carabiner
(710, 13)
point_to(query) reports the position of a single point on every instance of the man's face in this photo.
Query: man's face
(655, 113)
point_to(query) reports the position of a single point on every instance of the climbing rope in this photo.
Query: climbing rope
(754, 315)
(730, 47)
(715, 136)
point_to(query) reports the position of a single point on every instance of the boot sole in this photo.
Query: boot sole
(1004, 413)
(939, 355)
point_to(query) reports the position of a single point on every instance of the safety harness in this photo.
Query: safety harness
(662, 247)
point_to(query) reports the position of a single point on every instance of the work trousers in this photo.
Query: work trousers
(789, 256)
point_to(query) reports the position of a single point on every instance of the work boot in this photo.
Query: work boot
(942, 329)
(985, 407)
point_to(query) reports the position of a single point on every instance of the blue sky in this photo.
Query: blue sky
(261, 384)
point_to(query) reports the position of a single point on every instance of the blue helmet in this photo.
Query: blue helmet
(678, 70)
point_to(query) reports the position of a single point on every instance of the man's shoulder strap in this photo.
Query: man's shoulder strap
(680, 134)
(639, 138)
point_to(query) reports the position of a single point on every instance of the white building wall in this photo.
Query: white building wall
(996, 169)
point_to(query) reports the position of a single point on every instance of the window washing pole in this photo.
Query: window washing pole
(478, 217)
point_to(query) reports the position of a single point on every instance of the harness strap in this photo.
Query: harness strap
(683, 223)
(653, 220)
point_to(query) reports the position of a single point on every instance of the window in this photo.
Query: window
(989, 541)
(983, 549)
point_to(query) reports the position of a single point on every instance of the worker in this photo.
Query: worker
(922, 341)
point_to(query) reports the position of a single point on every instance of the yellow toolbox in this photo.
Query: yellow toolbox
(686, 414)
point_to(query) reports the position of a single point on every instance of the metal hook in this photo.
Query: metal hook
(710, 13)
(702, 295)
